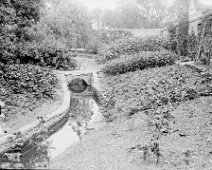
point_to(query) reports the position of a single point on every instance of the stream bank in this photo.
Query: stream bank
(82, 116)
(118, 145)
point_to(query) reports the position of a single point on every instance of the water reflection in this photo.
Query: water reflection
(82, 110)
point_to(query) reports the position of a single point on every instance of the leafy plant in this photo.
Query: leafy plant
(182, 36)
(139, 61)
(129, 46)
(24, 86)
(132, 93)
(192, 45)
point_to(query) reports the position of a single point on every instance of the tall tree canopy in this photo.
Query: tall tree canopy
(16, 17)
(154, 10)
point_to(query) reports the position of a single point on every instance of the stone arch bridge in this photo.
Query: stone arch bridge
(80, 84)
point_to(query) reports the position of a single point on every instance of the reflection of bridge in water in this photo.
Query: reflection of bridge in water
(80, 84)
(84, 113)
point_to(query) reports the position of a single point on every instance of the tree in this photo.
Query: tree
(68, 21)
(16, 17)
(97, 15)
(112, 19)
(179, 8)
(127, 15)
(154, 10)
(131, 16)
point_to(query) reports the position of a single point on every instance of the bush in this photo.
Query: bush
(182, 36)
(130, 46)
(172, 41)
(139, 61)
(25, 79)
(16, 18)
(47, 50)
(98, 39)
(192, 45)
(109, 36)
(206, 42)
(30, 34)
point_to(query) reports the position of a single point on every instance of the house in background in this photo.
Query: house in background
(196, 14)
(196, 11)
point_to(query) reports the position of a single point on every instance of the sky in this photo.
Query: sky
(111, 4)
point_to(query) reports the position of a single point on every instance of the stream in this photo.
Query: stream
(84, 116)
(84, 112)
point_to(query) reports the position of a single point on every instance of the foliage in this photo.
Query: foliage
(23, 85)
(16, 17)
(130, 46)
(68, 22)
(32, 33)
(60, 28)
(29, 79)
(179, 38)
(126, 15)
(46, 49)
(110, 36)
(206, 42)
(154, 10)
(182, 36)
(139, 91)
(105, 37)
(172, 38)
(130, 16)
(139, 61)
(192, 45)
(179, 8)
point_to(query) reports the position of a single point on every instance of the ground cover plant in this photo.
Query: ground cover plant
(130, 46)
(133, 92)
(25, 85)
(139, 61)
(156, 93)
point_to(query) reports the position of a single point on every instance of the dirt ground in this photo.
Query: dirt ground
(188, 147)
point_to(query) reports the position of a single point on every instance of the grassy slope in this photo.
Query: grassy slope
(108, 148)
(189, 147)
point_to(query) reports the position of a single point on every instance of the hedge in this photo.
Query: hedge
(130, 46)
(139, 61)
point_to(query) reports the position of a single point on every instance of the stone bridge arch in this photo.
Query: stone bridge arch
(80, 84)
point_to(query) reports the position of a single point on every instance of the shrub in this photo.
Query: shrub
(192, 45)
(182, 36)
(172, 41)
(47, 50)
(109, 36)
(16, 18)
(30, 34)
(24, 79)
(97, 39)
(130, 46)
(139, 61)
(206, 42)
